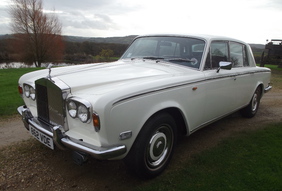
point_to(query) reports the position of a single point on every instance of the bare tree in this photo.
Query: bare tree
(38, 35)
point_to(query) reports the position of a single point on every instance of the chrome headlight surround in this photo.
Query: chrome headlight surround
(29, 91)
(79, 108)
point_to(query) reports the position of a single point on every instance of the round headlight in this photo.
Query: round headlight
(83, 113)
(72, 108)
(26, 91)
(32, 93)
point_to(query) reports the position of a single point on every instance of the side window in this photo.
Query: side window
(237, 54)
(245, 56)
(218, 52)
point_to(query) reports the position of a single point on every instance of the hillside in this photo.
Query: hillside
(115, 40)
(257, 46)
(257, 50)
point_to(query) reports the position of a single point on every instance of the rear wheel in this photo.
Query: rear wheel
(153, 148)
(250, 110)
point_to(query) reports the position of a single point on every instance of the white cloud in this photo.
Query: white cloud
(249, 20)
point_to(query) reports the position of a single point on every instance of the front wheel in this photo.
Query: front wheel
(153, 148)
(250, 110)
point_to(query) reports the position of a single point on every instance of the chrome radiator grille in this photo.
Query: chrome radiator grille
(42, 103)
(50, 103)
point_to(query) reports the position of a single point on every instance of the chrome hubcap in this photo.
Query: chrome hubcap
(254, 102)
(159, 147)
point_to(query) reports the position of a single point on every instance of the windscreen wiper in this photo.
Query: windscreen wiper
(153, 58)
(148, 57)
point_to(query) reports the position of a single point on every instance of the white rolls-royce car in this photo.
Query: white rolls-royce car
(135, 108)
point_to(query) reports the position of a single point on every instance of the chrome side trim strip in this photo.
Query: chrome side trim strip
(156, 90)
(185, 84)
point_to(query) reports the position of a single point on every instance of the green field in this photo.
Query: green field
(273, 67)
(249, 161)
(9, 96)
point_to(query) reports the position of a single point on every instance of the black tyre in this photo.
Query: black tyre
(250, 110)
(153, 148)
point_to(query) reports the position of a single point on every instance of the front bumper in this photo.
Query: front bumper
(63, 141)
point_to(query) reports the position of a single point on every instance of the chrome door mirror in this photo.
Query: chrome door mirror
(224, 65)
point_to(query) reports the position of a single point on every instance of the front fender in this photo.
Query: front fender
(131, 115)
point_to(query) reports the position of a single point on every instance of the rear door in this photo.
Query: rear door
(246, 81)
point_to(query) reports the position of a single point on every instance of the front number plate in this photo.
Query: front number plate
(43, 138)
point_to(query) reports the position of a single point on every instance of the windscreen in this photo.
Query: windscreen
(178, 50)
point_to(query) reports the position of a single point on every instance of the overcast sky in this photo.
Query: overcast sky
(252, 21)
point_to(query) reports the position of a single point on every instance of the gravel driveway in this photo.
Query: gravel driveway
(27, 164)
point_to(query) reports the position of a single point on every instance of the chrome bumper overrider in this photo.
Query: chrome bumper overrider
(62, 141)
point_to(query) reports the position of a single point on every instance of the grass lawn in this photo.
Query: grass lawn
(9, 96)
(250, 161)
(273, 67)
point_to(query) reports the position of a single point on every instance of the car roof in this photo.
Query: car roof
(205, 37)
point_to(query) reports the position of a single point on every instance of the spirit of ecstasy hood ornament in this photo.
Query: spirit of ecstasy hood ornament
(49, 75)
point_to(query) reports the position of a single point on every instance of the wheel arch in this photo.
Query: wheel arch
(177, 115)
(179, 119)
(261, 87)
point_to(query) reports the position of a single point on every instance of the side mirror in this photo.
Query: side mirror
(224, 65)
